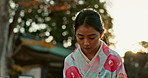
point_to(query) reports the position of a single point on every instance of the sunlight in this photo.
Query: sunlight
(135, 48)
(129, 24)
(49, 39)
(12, 4)
(15, 30)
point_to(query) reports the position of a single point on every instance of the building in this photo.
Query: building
(37, 59)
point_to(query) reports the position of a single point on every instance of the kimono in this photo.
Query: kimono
(105, 64)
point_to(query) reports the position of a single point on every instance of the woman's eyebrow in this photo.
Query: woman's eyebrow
(88, 35)
(92, 35)
(80, 34)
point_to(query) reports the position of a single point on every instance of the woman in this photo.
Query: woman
(92, 58)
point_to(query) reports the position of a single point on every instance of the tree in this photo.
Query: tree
(4, 25)
(144, 45)
(49, 20)
(137, 64)
(55, 17)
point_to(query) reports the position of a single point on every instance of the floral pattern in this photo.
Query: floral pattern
(111, 63)
(105, 49)
(121, 75)
(72, 72)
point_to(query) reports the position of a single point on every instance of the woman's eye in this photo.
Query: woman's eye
(91, 38)
(81, 38)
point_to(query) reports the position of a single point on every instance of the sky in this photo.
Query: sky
(130, 23)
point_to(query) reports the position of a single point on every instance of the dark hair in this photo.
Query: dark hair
(89, 17)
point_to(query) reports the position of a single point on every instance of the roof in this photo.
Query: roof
(42, 46)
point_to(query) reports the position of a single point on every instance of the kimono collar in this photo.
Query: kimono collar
(84, 56)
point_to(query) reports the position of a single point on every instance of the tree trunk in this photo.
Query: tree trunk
(4, 28)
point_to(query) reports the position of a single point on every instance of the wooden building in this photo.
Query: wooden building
(46, 58)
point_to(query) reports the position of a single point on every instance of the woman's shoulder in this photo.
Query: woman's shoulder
(113, 52)
(71, 55)
(114, 56)
(107, 50)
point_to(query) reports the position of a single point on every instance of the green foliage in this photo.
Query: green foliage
(55, 17)
(144, 44)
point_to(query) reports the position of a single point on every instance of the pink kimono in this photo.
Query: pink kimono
(105, 64)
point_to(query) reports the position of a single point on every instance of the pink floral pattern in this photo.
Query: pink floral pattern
(105, 49)
(72, 72)
(121, 75)
(111, 63)
(97, 64)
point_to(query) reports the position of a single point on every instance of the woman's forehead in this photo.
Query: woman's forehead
(86, 30)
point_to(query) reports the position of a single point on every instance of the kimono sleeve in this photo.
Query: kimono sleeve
(121, 73)
(115, 66)
(66, 65)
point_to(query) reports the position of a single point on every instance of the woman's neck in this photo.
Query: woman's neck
(93, 53)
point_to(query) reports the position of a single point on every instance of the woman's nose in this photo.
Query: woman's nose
(86, 42)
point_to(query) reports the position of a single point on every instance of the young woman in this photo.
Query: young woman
(92, 58)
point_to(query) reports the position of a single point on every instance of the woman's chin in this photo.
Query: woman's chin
(87, 50)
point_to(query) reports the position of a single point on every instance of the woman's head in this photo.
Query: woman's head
(89, 17)
(89, 30)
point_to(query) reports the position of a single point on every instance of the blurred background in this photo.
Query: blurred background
(36, 35)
